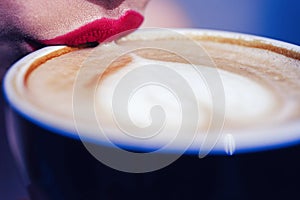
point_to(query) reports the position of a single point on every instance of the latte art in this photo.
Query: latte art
(257, 106)
(260, 85)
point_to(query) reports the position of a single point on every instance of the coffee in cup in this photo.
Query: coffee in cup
(224, 93)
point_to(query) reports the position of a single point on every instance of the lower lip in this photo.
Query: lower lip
(101, 30)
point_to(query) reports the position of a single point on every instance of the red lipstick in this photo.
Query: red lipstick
(100, 30)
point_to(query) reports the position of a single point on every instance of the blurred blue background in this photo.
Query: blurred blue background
(278, 19)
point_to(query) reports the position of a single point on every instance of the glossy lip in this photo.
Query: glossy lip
(100, 30)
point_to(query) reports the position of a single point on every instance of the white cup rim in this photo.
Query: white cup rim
(286, 135)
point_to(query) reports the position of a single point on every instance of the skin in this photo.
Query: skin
(41, 20)
(23, 22)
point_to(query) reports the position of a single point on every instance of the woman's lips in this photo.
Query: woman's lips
(100, 30)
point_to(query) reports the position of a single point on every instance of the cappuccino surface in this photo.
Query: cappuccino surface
(116, 86)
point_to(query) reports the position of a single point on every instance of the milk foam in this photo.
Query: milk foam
(261, 89)
(248, 103)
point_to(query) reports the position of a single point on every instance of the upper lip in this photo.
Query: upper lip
(100, 30)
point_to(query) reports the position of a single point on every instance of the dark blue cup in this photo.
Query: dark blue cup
(56, 165)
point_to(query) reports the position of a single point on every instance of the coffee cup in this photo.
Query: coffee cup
(161, 113)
